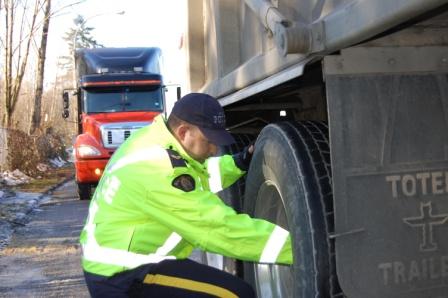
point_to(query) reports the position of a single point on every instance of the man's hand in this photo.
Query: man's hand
(243, 158)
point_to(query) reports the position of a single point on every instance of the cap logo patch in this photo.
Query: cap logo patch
(219, 119)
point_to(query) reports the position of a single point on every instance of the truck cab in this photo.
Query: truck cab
(118, 90)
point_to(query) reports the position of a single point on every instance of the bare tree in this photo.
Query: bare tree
(36, 120)
(22, 19)
(13, 53)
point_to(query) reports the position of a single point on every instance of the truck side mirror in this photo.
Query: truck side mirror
(65, 104)
(179, 93)
(65, 113)
(65, 100)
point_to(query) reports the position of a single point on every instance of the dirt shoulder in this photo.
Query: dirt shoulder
(48, 180)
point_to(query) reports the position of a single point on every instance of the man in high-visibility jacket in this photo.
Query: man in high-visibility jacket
(155, 203)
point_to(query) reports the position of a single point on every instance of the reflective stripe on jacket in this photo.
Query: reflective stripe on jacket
(154, 202)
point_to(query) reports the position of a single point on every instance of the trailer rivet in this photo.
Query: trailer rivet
(391, 61)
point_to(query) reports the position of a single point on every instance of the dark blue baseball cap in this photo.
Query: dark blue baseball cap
(206, 113)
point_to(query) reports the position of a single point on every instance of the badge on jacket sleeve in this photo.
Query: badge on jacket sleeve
(184, 182)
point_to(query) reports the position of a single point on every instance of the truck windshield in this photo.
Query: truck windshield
(109, 100)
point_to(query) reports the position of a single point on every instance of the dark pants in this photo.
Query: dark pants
(171, 278)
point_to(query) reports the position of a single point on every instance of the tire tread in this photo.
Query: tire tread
(313, 137)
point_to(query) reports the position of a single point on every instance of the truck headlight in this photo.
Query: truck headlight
(87, 151)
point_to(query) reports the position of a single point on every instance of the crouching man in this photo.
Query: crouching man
(155, 203)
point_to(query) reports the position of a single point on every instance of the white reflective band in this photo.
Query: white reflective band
(153, 153)
(92, 251)
(169, 244)
(214, 181)
(111, 256)
(274, 245)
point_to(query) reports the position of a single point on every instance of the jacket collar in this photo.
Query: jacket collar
(168, 141)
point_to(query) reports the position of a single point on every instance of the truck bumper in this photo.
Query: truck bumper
(89, 171)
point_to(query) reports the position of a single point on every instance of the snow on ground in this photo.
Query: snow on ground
(14, 178)
(15, 206)
(57, 162)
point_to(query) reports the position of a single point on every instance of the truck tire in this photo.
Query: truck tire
(84, 191)
(289, 183)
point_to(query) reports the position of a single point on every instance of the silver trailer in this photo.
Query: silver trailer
(348, 100)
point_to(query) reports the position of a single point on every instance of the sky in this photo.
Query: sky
(145, 23)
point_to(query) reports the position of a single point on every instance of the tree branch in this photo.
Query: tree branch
(19, 77)
(39, 24)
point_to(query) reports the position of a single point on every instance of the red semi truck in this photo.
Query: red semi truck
(118, 90)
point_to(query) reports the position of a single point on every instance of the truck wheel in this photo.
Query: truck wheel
(289, 183)
(84, 191)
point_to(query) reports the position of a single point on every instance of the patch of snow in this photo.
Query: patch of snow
(32, 202)
(20, 215)
(15, 177)
(5, 233)
(22, 198)
(45, 199)
(15, 208)
(57, 162)
(42, 167)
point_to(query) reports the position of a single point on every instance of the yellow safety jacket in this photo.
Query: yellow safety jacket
(154, 202)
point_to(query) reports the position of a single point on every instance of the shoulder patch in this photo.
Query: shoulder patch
(176, 159)
(184, 182)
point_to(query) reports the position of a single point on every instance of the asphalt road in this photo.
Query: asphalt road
(43, 257)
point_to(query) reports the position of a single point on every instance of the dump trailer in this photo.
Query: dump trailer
(118, 90)
(348, 102)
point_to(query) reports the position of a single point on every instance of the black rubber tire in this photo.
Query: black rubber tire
(84, 191)
(289, 183)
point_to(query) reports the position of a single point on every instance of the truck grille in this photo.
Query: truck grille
(114, 134)
(110, 139)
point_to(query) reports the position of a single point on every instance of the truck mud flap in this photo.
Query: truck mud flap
(388, 114)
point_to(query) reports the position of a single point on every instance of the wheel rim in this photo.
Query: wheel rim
(272, 280)
(215, 260)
